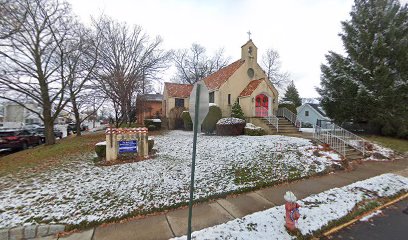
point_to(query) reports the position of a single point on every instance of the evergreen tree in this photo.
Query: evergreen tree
(370, 83)
(236, 111)
(292, 95)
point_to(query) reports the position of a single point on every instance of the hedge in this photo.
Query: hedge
(210, 121)
(188, 123)
(230, 127)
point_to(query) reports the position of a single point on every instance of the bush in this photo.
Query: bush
(289, 106)
(175, 120)
(210, 121)
(150, 144)
(100, 150)
(236, 111)
(155, 122)
(252, 130)
(188, 123)
(230, 126)
(152, 127)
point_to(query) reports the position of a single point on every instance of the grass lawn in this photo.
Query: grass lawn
(396, 144)
(58, 187)
(43, 157)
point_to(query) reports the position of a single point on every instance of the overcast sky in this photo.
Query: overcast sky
(302, 31)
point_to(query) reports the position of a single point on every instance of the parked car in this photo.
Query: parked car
(16, 139)
(41, 133)
(72, 128)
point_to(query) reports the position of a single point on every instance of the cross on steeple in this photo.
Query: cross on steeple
(249, 35)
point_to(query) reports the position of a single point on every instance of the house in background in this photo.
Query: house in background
(148, 106)
(15, 115)
(243, 81)
(175, 95)
(309, 113)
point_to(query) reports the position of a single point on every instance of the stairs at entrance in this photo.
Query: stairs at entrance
(353, 154)
(284, 127)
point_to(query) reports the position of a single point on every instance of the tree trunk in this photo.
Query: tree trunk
(48, 125)
(77, 117)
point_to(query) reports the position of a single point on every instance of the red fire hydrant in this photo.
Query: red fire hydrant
(292, 211)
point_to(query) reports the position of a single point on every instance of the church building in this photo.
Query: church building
(243, 80)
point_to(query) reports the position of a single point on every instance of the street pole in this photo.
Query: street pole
(190, 205)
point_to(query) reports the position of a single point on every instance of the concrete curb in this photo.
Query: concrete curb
(30, 232)
(338, 228)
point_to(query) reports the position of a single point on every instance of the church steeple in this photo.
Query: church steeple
(249, 51)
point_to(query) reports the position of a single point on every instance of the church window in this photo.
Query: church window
(179, 102)
(250, 72)
(229, 99)
(211, 97)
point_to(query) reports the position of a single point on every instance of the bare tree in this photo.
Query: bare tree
(80, 60)
(271, 63)
(193, 64)
(32, 59)
(11, 17)
(128, 62)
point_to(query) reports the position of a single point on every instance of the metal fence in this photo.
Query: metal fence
(328, 129)
(274, 121)
(289, 115)
(335, 143)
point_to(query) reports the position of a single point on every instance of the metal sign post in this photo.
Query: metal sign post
(198, 111)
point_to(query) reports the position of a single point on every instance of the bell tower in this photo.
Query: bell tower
(249, 52)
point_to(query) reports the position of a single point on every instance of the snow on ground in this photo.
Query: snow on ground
(316, 211)
(78, 191)
(308, 130)
(380, 153)
(371, 215)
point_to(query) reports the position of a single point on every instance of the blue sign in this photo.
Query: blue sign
(128, 146)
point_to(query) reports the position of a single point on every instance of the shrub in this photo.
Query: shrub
(155, 122)
(188, 123)
(230, 126)
(289, 106)
(150, 144)
(100, 150)
(210, 121)
(152, 127)
(252, 130)
(236, 111)
(175, 120)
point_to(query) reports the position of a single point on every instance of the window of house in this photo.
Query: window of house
(229, 99)
(306, 113)
(211, 97)
(179, 102)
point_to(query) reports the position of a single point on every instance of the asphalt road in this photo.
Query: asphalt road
(391, 224)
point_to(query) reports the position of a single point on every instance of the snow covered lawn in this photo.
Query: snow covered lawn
(78, 192)
(316, 211)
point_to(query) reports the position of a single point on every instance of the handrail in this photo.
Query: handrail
(274, 121)
(349, 138)
(335, 143)
(289, 115)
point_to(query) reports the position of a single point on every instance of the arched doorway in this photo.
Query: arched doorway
(261, 105)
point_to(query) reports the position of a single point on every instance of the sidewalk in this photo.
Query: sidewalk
(174, 223)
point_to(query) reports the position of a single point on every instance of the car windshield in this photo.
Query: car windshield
(7, 134)
(40, 131)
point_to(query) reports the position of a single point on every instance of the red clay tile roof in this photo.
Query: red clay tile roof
(178, 90)
(215, 80)
(250, 88)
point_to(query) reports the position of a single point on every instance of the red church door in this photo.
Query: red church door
(261, 105)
